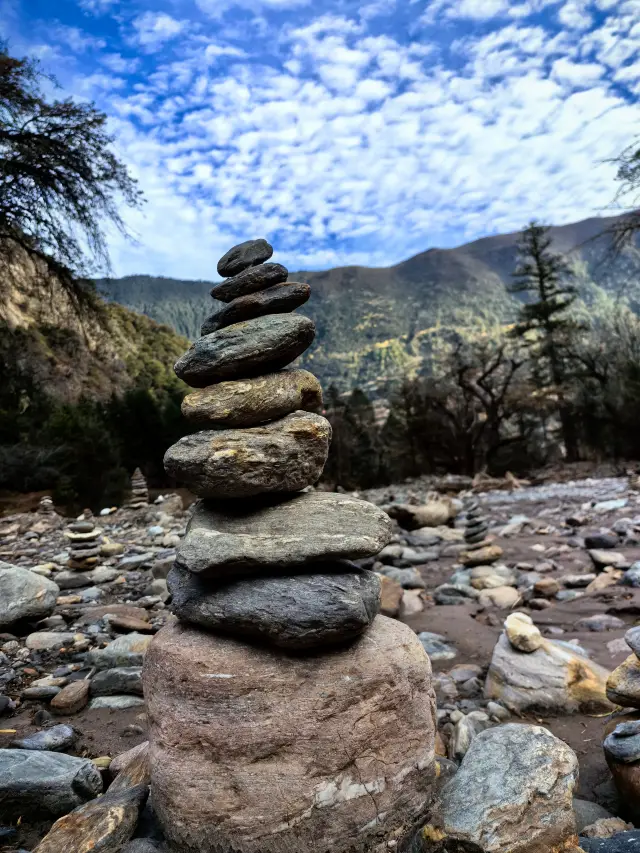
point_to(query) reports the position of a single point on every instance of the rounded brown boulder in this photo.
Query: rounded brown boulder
(260, 751)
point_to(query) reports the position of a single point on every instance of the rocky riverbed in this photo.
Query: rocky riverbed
(565, 555)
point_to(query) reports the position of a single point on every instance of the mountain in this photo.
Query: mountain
(46, 345)
(374, 325)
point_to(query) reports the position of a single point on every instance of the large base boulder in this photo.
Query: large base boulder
(259, 751)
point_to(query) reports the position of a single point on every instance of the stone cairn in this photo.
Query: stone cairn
(476, 525)
(139, 496)
(46, 507)
(284, 713)
(85, 540)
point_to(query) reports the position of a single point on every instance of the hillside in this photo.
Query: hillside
(43, 339)
(376, 324)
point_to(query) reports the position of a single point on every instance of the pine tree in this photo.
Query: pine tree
(544, 324)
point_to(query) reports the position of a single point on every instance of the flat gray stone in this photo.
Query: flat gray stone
(244, 255)
(246, 349)
(623, 744)
(257, 278)
(116, 703)
(128, 650)
(24, 595)
(52, 783)
(335, 604)
(283, 456)
(55, 739)
(229, 539)
(632, 639)
(117, 681)
(279, 299)
(248, 402)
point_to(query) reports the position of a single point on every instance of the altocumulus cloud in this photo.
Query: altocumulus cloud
(347, 132)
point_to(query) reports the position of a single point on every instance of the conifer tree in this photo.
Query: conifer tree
(545, 326)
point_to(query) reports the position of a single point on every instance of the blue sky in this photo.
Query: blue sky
(345, 132)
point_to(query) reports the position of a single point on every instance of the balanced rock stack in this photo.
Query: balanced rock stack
(85, 540)
(46, 507)
(139, 495)
(284, 713)
(476, 525)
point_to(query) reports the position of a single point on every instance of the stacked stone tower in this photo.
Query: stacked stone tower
(476, 524)
(139, 494)
(84, 544)
(284, 713)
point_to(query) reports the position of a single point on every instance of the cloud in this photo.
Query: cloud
(97, 7)
(75, 38)
(155, 28)
(348, 137)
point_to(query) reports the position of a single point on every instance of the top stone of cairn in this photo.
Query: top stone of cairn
(247, 254)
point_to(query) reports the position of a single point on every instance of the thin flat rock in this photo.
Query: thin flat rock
(284, 456)
(246, 349)
(250, 281)
(333, 605)
(274, 300)
(249, 402)
(229, 539)
(244, 255)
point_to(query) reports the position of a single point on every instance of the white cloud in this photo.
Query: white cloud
(155, 28)
(575, 15)
(577, 73)
(76, 39)
(97, 7)
(348, 142)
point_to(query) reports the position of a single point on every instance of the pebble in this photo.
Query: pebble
(279, 299)
(120, 680)
(437, 646)
(117, 703)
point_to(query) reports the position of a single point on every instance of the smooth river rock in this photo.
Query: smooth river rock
(24, 595)
(244, 255)
(246, 349)
(248, 402)
(513, 792)
(252, 280)
(333, 605)
(259, 751)
(553, 679)
(227, 540)
(279, 299)
(623, 686)
(50, 783)
(283, 456)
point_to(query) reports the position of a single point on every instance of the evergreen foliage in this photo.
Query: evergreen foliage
(59, 181)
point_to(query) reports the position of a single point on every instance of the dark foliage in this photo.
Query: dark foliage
(59, 181)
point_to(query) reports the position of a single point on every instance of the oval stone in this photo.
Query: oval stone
(274, 300)
(256, 278)
(283, 456)
(333, 605)
(244, 255)
(227, 539)
(246, 349)
(248, 402)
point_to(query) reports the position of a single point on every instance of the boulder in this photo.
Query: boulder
(117, 681)
(251, 348)
(48, 783)
(54, 739)
(317, 754)
(226, 540)
(623, 686)
(431, 514)
(553, 679)
(282, 456)
(334, 604)
(622, 842)
(513, 792)
(24, 595)
(248, 402)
